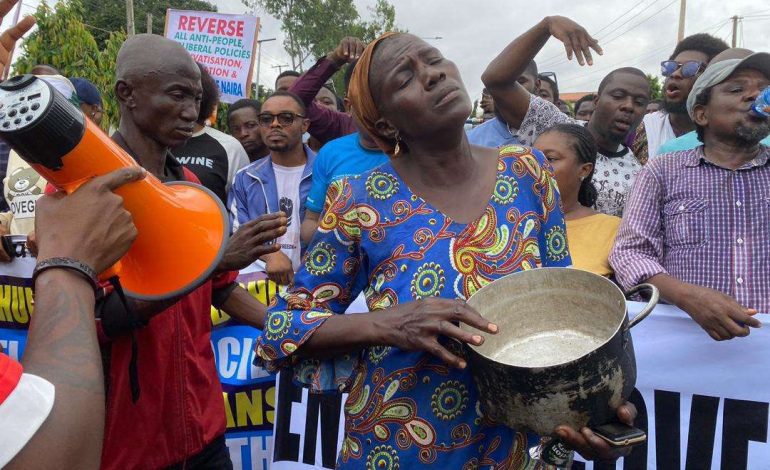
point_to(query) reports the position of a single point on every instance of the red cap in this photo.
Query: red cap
(10, 374)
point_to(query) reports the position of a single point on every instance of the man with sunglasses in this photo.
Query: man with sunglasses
(685, 65)
(280, 182)
(696, 224)
(690, 140)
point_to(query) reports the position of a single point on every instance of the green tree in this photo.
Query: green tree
(656, 88)
(315, 27)
(106, 16)
(64, 42)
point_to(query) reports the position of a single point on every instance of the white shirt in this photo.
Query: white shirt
(659, 131)
(22, 413)
(287, 181)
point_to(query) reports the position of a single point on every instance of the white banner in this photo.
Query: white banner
(703, 403)
(224, 44)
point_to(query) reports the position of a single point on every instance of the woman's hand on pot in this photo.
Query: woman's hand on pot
(417, 326)
(592, 447)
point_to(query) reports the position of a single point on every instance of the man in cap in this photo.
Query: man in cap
(90, 99)
(696, 222)
(690, 140)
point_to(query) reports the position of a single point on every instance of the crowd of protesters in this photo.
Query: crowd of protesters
(380, 193)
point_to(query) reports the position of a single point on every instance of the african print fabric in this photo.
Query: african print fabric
(408, 409)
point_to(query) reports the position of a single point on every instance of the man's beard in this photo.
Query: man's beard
(753, 135)
(673, 107)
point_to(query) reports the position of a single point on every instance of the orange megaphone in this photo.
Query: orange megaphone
(183, 227)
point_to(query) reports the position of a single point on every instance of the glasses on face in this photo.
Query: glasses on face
(284, 119)
(689, 68)
(548, 75)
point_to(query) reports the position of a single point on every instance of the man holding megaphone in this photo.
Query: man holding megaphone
(180, 419)
(164, 402)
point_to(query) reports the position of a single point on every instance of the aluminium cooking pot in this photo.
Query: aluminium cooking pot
(563, 353)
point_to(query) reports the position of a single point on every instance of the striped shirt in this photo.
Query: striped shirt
(700, 223)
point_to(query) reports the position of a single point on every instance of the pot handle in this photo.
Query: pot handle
(654, 297)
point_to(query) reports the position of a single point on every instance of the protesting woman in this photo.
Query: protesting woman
(418, 236)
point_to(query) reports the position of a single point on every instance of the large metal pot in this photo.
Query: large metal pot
(563, 353)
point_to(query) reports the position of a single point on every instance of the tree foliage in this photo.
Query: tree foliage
(656, 88)
(315, 27)
(105, 16)
(63, 41)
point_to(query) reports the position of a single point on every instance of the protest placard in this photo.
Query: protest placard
(224, 44)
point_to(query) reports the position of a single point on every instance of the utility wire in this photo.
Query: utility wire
(604, 42)
(560, 55)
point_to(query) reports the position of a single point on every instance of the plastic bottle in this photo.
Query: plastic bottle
(761, 106)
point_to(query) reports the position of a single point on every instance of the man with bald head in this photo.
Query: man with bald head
(697, 220)
(164, 400)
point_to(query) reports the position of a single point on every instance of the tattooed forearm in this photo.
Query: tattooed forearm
(62, 345)
(62, 348)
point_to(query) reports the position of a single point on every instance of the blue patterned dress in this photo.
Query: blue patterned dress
(408, 409)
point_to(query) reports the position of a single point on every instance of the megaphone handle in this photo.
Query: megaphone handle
(113, 271)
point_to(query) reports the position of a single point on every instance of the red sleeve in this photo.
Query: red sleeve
(325, 124)
(223, 279)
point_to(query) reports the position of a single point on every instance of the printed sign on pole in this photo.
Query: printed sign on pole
(224, 44)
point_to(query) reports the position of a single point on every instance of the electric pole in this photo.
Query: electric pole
(682, 14)
(149, 23)
(130, 17)
(280, 67)
(735, 19)
(259, 59)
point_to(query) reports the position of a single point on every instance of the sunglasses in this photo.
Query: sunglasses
(284, 119)
(549, 75)
(689, 68)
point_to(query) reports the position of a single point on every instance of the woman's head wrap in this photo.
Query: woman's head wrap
(360, 96)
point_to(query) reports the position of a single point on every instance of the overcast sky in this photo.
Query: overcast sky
(474, 31)
(638, 33)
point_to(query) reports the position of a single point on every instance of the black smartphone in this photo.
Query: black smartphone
(619, 434)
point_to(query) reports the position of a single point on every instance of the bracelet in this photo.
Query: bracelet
(67, 263)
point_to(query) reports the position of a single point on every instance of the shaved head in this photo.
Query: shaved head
(158, 86)
(145, 54)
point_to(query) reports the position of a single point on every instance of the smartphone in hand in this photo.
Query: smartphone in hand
(619, 434)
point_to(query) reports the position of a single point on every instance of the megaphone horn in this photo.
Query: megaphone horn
(183, 227)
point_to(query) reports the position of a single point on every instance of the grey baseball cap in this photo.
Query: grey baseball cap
(717, 72)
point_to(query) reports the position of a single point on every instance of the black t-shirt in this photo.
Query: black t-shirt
(214, 157)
